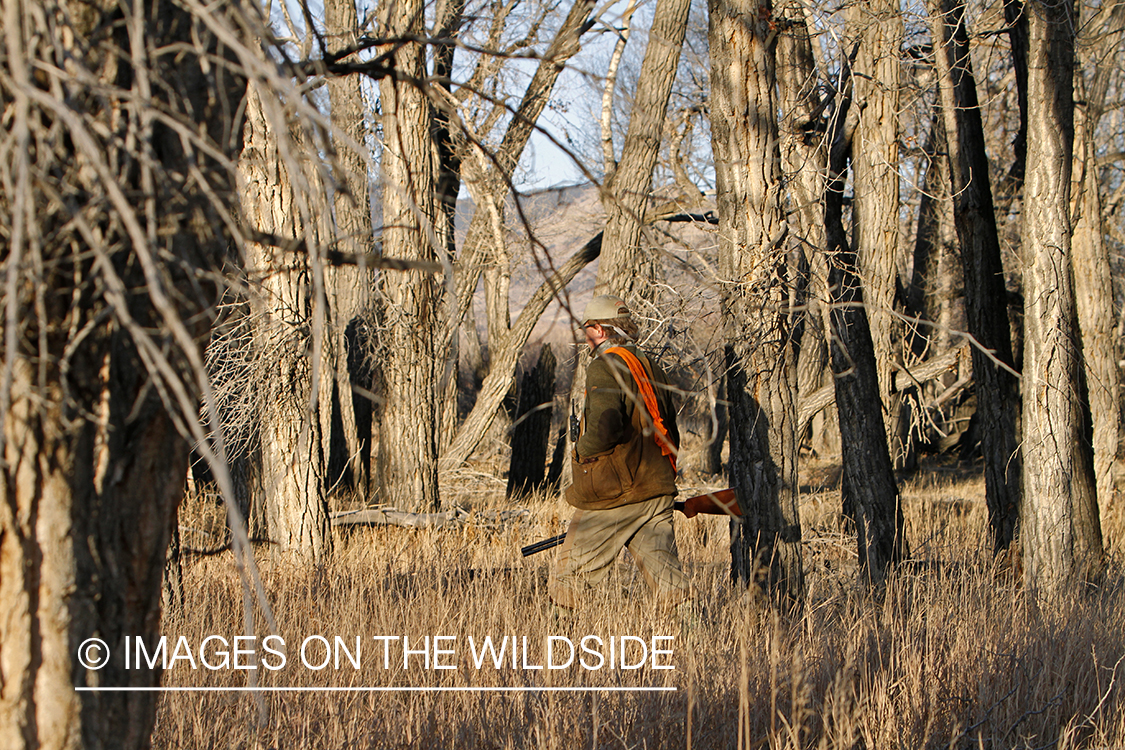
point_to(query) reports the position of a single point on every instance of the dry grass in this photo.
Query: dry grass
(950, 654)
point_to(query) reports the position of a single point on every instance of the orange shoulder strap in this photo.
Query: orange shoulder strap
(649, 396)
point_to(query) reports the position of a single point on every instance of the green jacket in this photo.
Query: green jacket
(617, 460)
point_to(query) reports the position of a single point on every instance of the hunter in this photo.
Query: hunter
(624, 467)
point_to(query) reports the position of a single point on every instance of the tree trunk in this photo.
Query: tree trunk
(282, 310)
(413, 366)
(347, 288)
(502, 375)
(488, 178)
(936, 279)
(804, 161)
(1060, 532)
(532, 430)
(758, 316)
(625, 268)
(985, 296)
(1015, 18)
(875, 219)
(112, 250)
(449, 142)
(870, 496)
(1092, 274)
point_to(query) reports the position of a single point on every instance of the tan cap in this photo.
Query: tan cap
(605, 307)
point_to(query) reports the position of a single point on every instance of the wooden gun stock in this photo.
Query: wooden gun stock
(721, 503)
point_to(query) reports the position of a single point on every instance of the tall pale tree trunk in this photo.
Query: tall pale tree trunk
(936, 288)
(1060, 531)
(626, 268)
(347, 288)
(935, 276)
(758, 314)
(282, 305)
(1092, 274)
(985, 294)
(804, 161)
(408, 441)
(875, 220)
(111, 251)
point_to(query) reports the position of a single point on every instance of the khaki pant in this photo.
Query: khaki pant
(596, 536)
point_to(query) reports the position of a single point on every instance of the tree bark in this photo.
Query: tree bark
(759, 319)
(875, 219)
(408, 450)
(449, 142)
(870, 495)
(1016, 20)
(936, 283)
(111, 253)
(1092, 272)
(985, 295)
(804, 160)
(1060, 531)
(282, 312)
(532, 430)
(625, 268)
(347, 288)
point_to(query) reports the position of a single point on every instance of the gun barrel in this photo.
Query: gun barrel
(543, 545)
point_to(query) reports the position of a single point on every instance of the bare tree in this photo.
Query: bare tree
(804, 159)
(283, 305)
(491, 178)
(121, 122)
(759, 325)
(625, 268)
(985, 295)
(877, 25)
(1093, 278)
(870, 494)
(412, 365)
(346, 448)
(1059, 528)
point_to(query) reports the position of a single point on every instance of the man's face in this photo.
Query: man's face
(595, 335)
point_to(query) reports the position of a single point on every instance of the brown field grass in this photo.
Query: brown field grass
(951, 653)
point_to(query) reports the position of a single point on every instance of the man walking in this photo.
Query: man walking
(624, 466)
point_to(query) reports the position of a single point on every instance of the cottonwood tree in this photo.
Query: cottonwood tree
(870, 494)
(412, 229)
(985, 295)
(121, 124)
(804, 161)
(346, 418)
(626, 268)
(1093, 278)
(302, 309)
(878, 28)
(287, 322)
(489, 180)
(1059, 527)
(759, 319)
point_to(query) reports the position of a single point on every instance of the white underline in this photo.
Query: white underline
(376, 689)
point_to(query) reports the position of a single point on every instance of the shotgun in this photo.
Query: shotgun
(720, 503)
